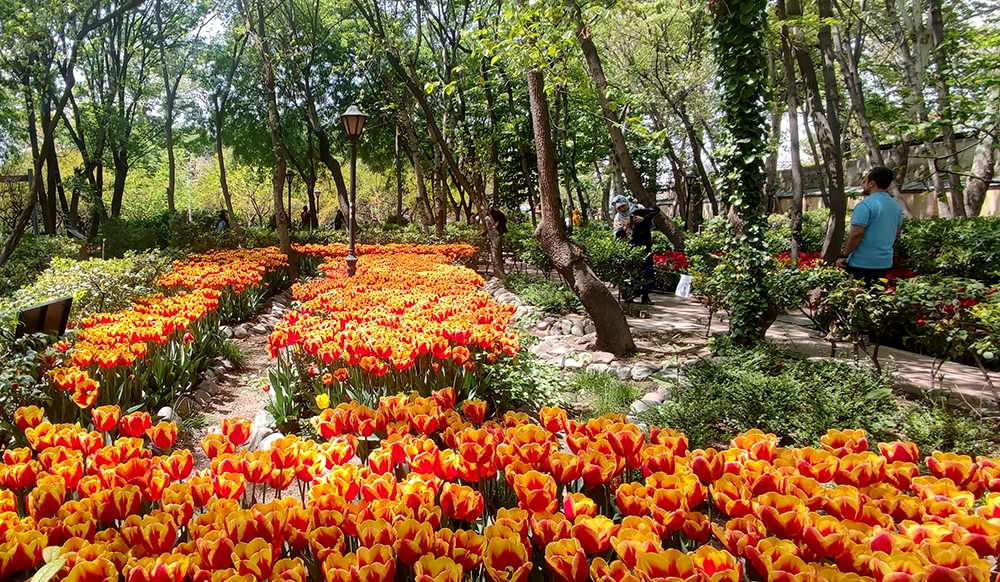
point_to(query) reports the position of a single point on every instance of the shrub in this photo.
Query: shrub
(544, 294)
(961, 247)
(31, 257)
(937, 427)
(798, 400)
(96, 285)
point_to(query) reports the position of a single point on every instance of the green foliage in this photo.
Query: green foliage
(523, 380)
(961, 247)
(231, 351)
(96, 285)
(797, 400)
(32, 256)
(520, 240)
(167, 231)
(936, 427)
(613, 260)
(23, 367)
(609, 393)
(549, 296)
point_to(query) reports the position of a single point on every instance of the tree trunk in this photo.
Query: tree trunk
(120, 157)
(838, 200)
(792, 97)
(828, 134)
(855, 90)
(522, 154)
(613, 334)
(256, 28)
(399, 180)
(220, 152)
(982, 166)
(440, 206)
(956, 200)
(618, 146)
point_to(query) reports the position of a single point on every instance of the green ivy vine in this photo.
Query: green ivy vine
(738, 29)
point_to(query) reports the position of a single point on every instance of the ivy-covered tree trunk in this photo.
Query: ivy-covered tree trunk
(739, 27)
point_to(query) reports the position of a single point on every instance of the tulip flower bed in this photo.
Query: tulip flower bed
(449, 495)
(404, 322)
(137, 357)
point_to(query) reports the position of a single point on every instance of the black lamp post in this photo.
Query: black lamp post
(354, 122)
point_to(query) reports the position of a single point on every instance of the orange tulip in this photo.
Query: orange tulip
(841, 443)
(597, 467)
(630, 544)
(696, 527)
(431, 569)
(706, 464)
(535, 491)
(860, 469)
(375, 564)
(44, 500)
(474, 411)
(825, 536)
(414, 539)
(668, 565)
(782, 515)
(460, 502)
(465, 547)
(740, 533)
(731, 495)
(254, 558)
(26, 417)
(237, 430)
(632, 499)
(717, 566)
(567, 560)
(616, 571)
(163, 434)
(767, 551)
(958, 468)
(99, 570)
(564, 467)
(817, 464)
(506, 560)
(897, 451)
(135, 424)
(576, 504)
(594, 533)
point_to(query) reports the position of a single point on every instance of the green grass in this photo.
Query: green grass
(229, 350)
(609, 393)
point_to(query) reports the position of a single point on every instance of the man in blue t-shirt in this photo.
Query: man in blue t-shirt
(875, 226)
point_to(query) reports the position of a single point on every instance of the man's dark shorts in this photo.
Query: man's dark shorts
(869, 276)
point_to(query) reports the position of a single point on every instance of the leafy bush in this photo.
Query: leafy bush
(544, 294)
(961, 247)
(800, 400)
(936, 427)
(522, 380)
(797, 400)
(96, 285)
(23, 370)
(31, 257)
(613, 260)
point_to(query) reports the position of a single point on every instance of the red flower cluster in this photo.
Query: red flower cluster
(806, 260)
(672, 261)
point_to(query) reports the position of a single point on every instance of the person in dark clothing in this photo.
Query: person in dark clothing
(306, 217)
(499, 220)
(634, 223)
(223, 223)
(338, 220)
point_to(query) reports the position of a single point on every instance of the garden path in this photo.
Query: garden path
(915, 373)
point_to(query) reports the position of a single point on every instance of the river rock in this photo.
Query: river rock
(577, 330)
(259, 329)
(240, 332)
(227, 331)
(185, 406)
(601, 358)
(572, 363)
(620, 369)
(202, 398)
(643, 370)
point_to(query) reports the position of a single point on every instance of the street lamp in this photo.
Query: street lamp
(354, 122)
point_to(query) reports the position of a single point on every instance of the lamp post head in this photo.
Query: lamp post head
(354, 121)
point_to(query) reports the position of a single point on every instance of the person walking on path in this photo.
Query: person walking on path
(633, 223)
(875, 225)
(223, 223)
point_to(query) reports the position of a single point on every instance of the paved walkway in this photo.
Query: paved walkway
(915, 373)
